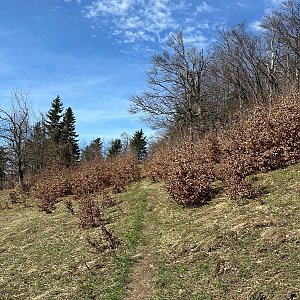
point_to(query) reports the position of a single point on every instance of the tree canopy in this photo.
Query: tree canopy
(138, 144)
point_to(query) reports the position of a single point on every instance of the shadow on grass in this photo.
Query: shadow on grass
(214, 193)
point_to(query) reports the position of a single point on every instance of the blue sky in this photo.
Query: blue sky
(94, 54)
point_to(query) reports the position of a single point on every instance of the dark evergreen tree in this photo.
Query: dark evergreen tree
(69, 147)
(138, 144)
(93, 150)
(115, 148)
(53, 122)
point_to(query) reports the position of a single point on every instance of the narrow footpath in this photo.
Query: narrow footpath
(140, 283)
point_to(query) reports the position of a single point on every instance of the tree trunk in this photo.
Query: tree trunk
(21, 177)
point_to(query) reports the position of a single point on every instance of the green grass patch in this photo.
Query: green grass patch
(46, 256)
(228, 249)
(222, 250)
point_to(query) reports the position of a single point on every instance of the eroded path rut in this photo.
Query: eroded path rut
(141, 279)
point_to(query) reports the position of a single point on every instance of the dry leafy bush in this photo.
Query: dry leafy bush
(122, 170)
(89, 212)
(209, 147)
(267, 138)
(157, 164)
(90, 178)
(190, 175)
(83, 182)
(104, 241)
(51, 184)
(187, 167)
(100, 175)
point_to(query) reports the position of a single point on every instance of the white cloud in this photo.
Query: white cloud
(256, 26)
(270, 5)
(135, 20)
(132, 21)
(106, 7)
(241, 4)
(204, 7)
(196, 39)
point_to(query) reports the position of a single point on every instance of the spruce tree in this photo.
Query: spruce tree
(53, 122)
(138, 144)
(93, 150)
(69, 147)
(115, 148)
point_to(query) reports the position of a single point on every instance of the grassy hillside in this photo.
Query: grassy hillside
(222, 250)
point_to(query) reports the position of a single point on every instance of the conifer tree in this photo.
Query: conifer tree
(138, 144)
(70, 152)
(115, 148)
(53, 122)
(93, 150)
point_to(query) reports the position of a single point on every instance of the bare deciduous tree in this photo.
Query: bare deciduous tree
(192, 92)
(242, 64)
(177, 88)
(283, 27)
(14, 132)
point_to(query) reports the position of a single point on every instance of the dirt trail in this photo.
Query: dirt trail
(140, 285)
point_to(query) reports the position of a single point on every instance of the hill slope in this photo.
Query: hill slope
(222, 250)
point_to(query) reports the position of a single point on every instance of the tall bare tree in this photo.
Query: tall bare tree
(283, 28)
(242, 64)
(177, 88)
(14, 132)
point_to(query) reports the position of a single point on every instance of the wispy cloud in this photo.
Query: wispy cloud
(241, 4)
(115, 7)
(70, 1)
(13, 32)
(204, 7)
(141, 20)
(256, 26)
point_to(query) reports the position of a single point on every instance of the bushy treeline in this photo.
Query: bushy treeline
(264, 138)
(85, 180)
(192, 91)
(227, 113)
(27, 149)
(89, 183)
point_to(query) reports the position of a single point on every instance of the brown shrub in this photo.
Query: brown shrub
(99, 175)
(90, 178)
(190, 175)
(51, 184)
(85, 179)
(89, 212)
(267, 138)
(158, 162)
(122, 170)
